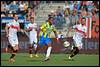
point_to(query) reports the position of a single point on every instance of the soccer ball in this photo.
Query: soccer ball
(66, 44)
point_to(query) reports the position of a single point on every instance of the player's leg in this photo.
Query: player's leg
(30, 46)
(35, 44)
(74, 52)
(30, 50)
(36, 49)
(14, 51)
(49, 43)
(14, 47)
(76, 49)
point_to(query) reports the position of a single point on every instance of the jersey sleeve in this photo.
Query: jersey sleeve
(43, 26)
(53, 28)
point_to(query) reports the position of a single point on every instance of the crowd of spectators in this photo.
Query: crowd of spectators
(70, 14)
(22, 8)
(73, 11)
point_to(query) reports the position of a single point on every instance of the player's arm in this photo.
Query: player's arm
(7, 30)
(55, 32)
(43, 27)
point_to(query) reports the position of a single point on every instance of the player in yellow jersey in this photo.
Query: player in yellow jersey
(45, 32)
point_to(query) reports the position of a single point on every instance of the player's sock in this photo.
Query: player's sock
(48, 51)
(12, 56)
(75, 51)
(36, 51)
(30, 51)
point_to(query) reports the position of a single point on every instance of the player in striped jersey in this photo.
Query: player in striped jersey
(80, 32)
(11, 32)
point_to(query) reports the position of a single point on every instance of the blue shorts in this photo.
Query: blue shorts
(44, 40)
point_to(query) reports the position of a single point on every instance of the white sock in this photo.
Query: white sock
(35, 46)
(48, 51)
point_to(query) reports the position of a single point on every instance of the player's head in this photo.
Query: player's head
(32, 19)
(15, 17)
(83, 21)
(50, 20)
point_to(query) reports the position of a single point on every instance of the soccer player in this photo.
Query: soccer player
(32, 29)
(11, 32)
(80, 32)
(44, 39)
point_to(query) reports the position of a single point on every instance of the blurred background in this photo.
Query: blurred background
(65, 13)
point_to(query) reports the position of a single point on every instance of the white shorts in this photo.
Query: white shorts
(78, 43)
(33, 37)
(78, 40)
(13, 41)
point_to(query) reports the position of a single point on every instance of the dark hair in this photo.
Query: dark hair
(83, 18)
(50, 18)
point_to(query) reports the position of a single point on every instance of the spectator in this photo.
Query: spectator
(74, 18)
(83, 12)
(13, 7)
(31, 12)
(71, 6)
(3, 8)
(27, 18)
(26, 7)
(67, 20)
(21, 8)
(66, 9)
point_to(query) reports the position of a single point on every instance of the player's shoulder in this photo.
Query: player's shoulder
(44, 24)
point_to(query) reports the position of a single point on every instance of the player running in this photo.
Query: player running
(80, 32)
(11, 32)
(44, 39)
(32, 29)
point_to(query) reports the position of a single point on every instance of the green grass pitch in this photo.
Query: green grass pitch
(23, 59)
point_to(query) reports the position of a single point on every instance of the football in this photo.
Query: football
(66, 44)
